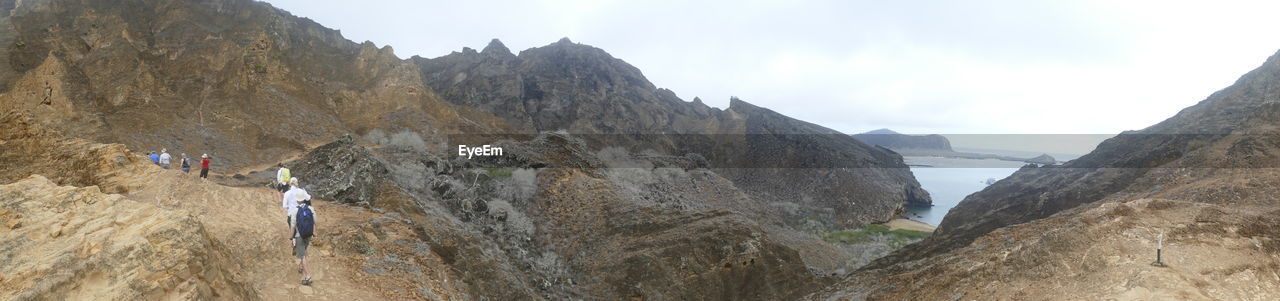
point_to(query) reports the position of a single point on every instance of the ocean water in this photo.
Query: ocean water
(949, 180)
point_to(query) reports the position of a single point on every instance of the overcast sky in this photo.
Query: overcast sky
(987, 67)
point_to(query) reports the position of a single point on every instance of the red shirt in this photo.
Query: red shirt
(204, 163)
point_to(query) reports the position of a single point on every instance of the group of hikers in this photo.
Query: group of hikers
(300, 217)
(163, 159)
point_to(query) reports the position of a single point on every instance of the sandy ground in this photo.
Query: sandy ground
(902, 223)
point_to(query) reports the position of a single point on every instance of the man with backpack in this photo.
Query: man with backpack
(186, 164)
(302, 231)
(301, 220)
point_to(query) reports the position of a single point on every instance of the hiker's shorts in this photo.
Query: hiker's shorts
(204, 173)
(282, 187)
(301, 248)
(186, 170)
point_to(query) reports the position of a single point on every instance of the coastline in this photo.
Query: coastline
(906, 224)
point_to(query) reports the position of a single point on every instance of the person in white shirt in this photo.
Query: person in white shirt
(164, 158)
(291, 199)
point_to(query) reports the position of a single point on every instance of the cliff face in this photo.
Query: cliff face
(894, 140)
(1202, 177)
(585, 91)
(240, 80)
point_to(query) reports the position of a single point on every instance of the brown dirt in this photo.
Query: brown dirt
(167, 224)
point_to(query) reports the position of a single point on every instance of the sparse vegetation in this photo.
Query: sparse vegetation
(20, 44)
(498, 172)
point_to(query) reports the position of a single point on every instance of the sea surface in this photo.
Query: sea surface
(949, 180)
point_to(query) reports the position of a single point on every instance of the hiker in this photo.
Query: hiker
(204, 167)
(282, 180)
(164, 158)
(186, 164)
(301, 220)
(301, 235)
(155, 158)
(291, 198)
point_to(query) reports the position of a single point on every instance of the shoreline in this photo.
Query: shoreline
(907, 224)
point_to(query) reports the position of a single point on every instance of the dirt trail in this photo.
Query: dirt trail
(234, 238)
(249, 222)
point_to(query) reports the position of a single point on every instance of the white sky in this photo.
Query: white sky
(950, 67)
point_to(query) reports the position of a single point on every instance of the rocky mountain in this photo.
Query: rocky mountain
(556, 87)
(1202, 177)
(894, 140)
(611, 188)
(240, 80)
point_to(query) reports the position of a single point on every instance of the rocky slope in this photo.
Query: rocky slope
(602, 225)
(77, 243)
(1204, 177)
(237, 79)
(1100, 251)
(170, 235)
(584, 91)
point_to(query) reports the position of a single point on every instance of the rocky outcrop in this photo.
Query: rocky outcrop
(586, 92)
(69, 243)
(894, 140)
(27, 148)
(342, 171)
(1042, 159)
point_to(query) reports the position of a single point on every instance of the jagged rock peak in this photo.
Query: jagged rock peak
(496, 47)
(738, 103)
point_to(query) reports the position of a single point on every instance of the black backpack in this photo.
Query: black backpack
(306, 222)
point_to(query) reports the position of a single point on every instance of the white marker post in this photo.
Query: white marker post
(1159, 247)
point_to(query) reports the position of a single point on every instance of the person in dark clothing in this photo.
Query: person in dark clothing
(186, 164)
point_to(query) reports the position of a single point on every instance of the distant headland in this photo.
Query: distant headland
(934, 146)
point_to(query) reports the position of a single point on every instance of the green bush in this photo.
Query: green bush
(498, 172)
(20, 44)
